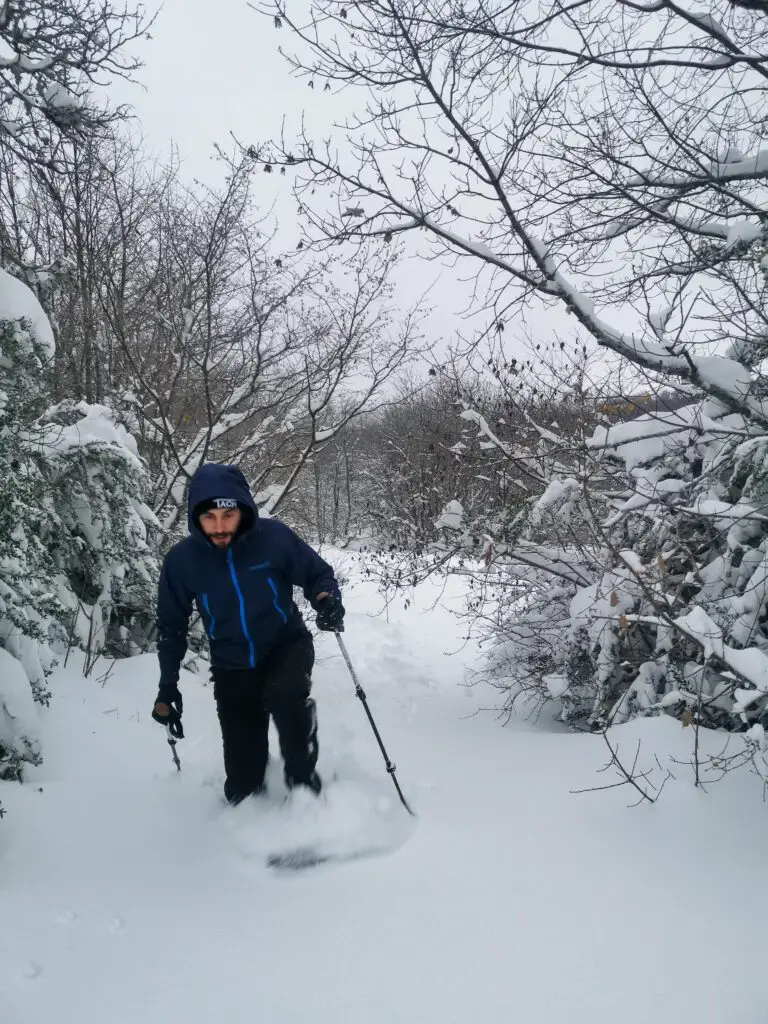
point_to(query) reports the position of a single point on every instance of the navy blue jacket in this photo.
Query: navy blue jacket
(243, 593)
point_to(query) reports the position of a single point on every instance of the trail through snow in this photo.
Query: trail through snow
(130, 895)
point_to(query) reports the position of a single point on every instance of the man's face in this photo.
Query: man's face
(220, 525)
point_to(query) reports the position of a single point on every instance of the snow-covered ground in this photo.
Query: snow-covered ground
(130, 895)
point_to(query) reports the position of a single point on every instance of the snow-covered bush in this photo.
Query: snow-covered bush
(696, 523)
(77, 565)
(95, 486)
(31, 612)
(666, 609)
(633, 577)
(19, 737)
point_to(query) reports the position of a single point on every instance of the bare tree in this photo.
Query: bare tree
(228, 351)
(174, 306)
(86, 227)
(52, 53)
(567, 154)
(58, 153)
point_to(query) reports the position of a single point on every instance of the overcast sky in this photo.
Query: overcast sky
(213, 67)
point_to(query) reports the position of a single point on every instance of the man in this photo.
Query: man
(240, 571)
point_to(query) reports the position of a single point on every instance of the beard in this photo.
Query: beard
(221, 540)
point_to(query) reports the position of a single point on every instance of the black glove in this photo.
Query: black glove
(330, 614)
(168, 710)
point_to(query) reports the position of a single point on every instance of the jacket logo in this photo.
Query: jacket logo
(225, 503)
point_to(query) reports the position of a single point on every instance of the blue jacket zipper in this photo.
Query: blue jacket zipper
(278, 609)
(208, 612)
(233, 574)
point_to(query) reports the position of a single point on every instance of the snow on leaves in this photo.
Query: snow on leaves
(17, 302)
(451, 517)
(19, 727)
(76, 562)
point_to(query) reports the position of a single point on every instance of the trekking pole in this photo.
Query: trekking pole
(360, 693)
(172, 742)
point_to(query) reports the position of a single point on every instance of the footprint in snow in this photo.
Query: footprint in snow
(116, 925)
(33, 970)
(67, 917)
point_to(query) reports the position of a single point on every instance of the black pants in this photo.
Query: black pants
(245, 698)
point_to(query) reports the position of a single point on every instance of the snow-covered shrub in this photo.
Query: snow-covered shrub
(695, 520)
(666, 609)
(76, 563)
(95, 487)
(19, 738)
(30, 607)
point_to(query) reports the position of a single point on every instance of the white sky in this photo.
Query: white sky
(213, 67)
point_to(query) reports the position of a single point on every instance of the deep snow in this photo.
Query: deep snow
(130, 895)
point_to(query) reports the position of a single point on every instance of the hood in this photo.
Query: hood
(213, 480)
